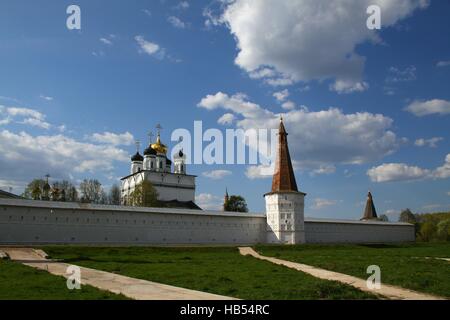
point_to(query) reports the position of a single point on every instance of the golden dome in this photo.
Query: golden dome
(159, 147)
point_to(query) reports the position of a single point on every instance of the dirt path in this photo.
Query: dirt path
(130, 287)
(388, 291)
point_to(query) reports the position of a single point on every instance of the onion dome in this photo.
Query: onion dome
(159, 147)
(181, 154)
(149, 151)
(137, 157)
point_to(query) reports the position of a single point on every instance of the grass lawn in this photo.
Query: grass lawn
(219, 270)
(19, 282)
(402, 265)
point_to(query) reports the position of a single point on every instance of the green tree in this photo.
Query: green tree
(236, 204)
(427, 231)
(70, 191)
(91, 191)
(144, 195)
(34, 189)
(114, 195)
(443, 230)
(383, 218)
(407, 216)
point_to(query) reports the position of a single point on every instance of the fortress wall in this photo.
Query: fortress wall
(26, 222)
(36, 222)
(318, 231)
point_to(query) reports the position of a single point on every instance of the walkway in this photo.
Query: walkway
(132, 288)
(388, 291)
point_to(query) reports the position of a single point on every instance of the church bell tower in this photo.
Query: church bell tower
(285, 203)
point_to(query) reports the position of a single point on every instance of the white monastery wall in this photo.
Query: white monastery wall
(37, 222)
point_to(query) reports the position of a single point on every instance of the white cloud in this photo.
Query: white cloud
(432, 142)
(149, 48)
(448, 193)
(396, 172)
(388, 172)
(320, 203)
(288, 105)
(28, 117)
(259, 172)
(398, 75)
(443, 63)
(306, 40)
(106, 41)
(114, 139)
(182, 5)
(424, 108)
(318, 138)
(147, 12)
(324, 169)
(176, 22)
(208, 201)
(226, 119)
(48, 98)
(281, 95)
(24, 157)
(216, 174)
(37, 123)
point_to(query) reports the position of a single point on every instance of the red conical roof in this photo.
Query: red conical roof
(283, 178)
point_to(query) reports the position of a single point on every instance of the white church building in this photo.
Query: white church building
(175, 187)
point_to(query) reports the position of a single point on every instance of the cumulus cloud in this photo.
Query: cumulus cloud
(208, 201)
(114, 139)
(281, 95)
(306, 40)
(317, 138)
(183, 5)
(432, 142)
(425, 108)
(25, 116)
(226, 119)
(388, 172)
(216, 174)
(176, 22)
(24, 157)
(150, 48)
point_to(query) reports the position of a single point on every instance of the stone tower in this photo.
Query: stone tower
(370, 213)
(285, 204)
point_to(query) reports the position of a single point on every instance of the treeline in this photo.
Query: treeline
(89, 191)
(429, 226)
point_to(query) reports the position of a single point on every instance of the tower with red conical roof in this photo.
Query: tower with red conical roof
(285, 203)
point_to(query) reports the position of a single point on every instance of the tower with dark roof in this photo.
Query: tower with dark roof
(370, 213)
(285, 203)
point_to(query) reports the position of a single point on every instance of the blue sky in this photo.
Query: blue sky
(365, 109)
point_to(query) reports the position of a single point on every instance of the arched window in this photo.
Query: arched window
(181, 168)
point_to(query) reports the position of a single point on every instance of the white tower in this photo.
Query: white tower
(150, 156)
(285, 204)
(137, 161)
(180, 163)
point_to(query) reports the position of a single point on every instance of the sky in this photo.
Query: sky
(365, 109)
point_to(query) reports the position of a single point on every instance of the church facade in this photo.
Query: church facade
(174, 187)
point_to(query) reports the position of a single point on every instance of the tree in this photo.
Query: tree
(34, 189)
(407, 216)
(91, 191)
(383, 218)
(427, 231)
(236, 204)
(114, 195)
(443, 230)
(144, 195)
(68, 189)
(55, 193)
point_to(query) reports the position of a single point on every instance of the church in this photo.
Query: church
(175, 188)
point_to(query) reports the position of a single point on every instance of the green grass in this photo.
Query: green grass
(19, 282)
(219, 270)
(402, 265)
